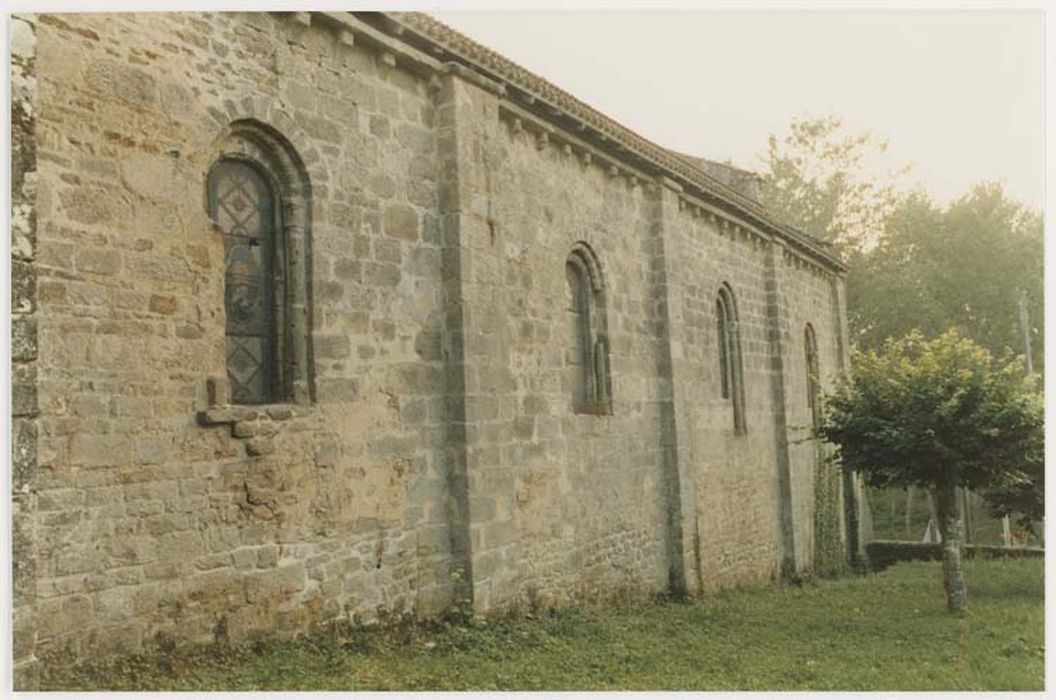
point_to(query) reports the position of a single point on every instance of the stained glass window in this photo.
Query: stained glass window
(242, 205)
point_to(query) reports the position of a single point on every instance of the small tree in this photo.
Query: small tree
(937, 414)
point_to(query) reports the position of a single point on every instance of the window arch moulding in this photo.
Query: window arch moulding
(587, 357)
(258, 194)
(731, 367)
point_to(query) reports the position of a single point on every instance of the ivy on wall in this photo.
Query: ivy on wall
(829, 555)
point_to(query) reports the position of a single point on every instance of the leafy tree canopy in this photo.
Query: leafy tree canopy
(962, 267)
(913, 263)
(931, 413)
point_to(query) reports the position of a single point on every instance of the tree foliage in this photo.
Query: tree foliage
(816, 182)
(1020, 494)
(961, 267)
(937, 414)
(913, 263)
(922, 413)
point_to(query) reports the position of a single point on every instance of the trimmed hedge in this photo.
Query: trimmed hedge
(884, 553)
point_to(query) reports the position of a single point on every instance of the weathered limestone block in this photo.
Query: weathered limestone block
(401, 221)
(99, 450)
(99, 261)
(24, 401)
(259, 446)
(23, 287)
(158, 178)
(122, 81)
(23, 453)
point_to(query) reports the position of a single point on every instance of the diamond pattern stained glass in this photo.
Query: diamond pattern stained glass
(240, 202)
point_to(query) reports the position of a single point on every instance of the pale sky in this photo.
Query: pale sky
(958, 94)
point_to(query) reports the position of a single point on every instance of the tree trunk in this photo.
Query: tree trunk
(949, 526)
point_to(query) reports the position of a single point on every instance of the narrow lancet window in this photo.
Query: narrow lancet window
(242, 204)
(587, 349)
(731, 380)
(724, 346)
(578, 332)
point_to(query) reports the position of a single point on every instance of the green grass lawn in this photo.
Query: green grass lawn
(888, 631)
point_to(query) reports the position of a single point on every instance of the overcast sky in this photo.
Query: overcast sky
(957, 94)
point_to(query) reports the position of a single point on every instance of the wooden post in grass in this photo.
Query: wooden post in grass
(909, 511)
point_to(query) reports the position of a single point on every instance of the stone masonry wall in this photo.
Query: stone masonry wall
(810, 300)
(151, 522)
(565, 505)
(438, 457)
(23, 340)
(736, 526)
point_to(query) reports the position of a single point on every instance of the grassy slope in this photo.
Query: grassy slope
(884, 632)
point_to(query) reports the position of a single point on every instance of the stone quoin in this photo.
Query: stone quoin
(326, 316)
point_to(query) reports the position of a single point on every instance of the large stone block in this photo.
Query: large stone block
(401, 221)
(157, 178)
(92, 205)
(332, 347)
(24, 396)
(103, 261)
(122, 81)
(340, 389)
(94, 450)
(23, 287)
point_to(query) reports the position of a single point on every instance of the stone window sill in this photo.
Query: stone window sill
(256, 424)
(594, 409)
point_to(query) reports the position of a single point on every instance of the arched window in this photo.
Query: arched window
(241, 202)
(258, 196)
(587, 358)
(731, 382)
(810, 348)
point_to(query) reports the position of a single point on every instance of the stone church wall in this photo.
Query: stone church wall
(564, 504)
(734, 476)
(146, 521)
(436, 456)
